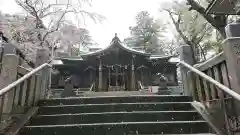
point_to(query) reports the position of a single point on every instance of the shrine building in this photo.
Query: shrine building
(115, 68)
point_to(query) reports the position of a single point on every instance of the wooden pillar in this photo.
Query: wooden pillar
(142, 76)
(8, 75)
(61, 80)
(100, 83)
(126, 80)
(109, 77)
(116, 76)
(123, 78)
(133, 83)
(91, 77)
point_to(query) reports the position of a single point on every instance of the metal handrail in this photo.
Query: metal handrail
(28, 75)
(210, 79)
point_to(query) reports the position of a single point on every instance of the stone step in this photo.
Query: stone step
(115, 107)
(180, 134)
(115, 99)
(123, 128)
(111, 117)
(177, 134)
(57, 93)
(116, 93)
(164, 92)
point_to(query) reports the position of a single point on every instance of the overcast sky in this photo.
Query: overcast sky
(119, 13)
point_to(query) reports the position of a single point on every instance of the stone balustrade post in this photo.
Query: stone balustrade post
(8, 75)
(32, 89)
(43, 56)
(1, 56)
(231, 47)
(186, 54)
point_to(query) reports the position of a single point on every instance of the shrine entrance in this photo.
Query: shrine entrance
(116, 77)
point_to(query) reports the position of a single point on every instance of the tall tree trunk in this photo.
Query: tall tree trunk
(193, 54)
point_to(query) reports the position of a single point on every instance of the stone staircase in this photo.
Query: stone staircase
(117, 115)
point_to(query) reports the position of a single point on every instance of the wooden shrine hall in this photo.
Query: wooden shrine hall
(115, 68)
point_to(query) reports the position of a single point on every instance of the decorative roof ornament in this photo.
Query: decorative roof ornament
(116, 39)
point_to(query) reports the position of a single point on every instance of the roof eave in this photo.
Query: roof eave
(160, 57)
(111, 44)
(215, 4)
(210, 6)
(133, 50)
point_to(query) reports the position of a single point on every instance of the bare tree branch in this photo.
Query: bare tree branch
(176, 24)
(202, 36)
(33, 12)
(39, 9)
(218, 21)
(196, 6)
(184, 37)
(58, 24)
(49, 13)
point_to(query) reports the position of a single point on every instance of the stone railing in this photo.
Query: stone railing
(28, 92)
(219, 105)
(8, 48)
(215, 68)
(224, 68)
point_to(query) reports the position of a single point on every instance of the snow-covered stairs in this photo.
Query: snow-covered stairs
(117, 115)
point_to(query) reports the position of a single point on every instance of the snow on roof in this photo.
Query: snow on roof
(122, 45)
(56, 62)
(133, 50)
(159, 56)
(115, 42)
(76, 58)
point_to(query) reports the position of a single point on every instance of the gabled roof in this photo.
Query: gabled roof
(115, 43)
(222, 7)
